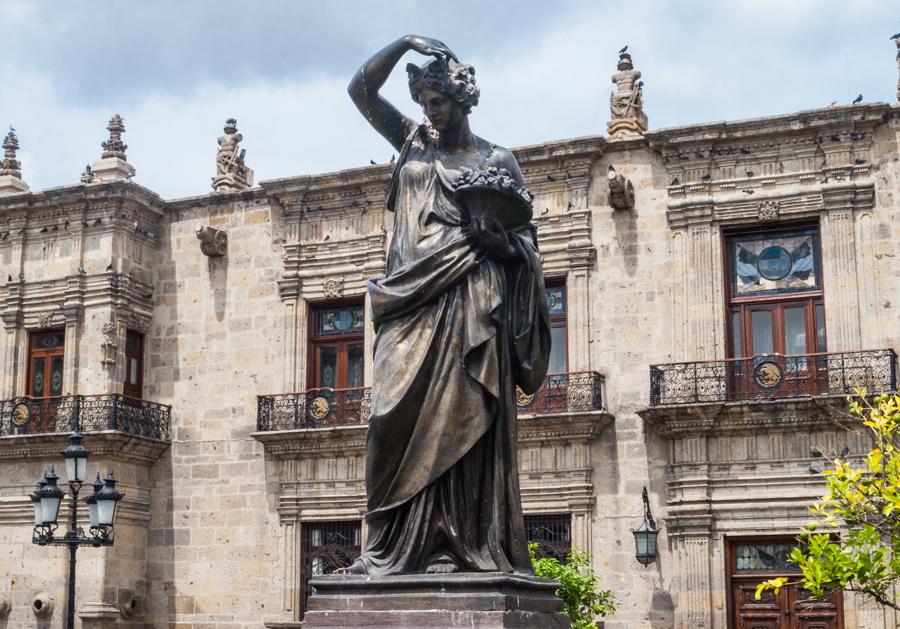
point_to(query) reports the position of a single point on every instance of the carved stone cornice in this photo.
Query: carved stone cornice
(314, 442)
(73, 199)
(560, 167)
(350, 262)
(564, 241)
(42, 304)
(352, 189)
(862, 116)
(736, 207)
(673, 421)
(721, 172)
(581, 426)
(111, 445)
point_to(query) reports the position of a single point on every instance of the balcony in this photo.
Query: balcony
(772, 377)
(86, 413)
(324, 408)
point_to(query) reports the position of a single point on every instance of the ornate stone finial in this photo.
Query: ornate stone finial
(897, 41)
(213, 242)
(626, 104)
(231, 172)
(112, 165)
(11, 168)
(114, 147)
(621, 192)
(10, 165)
(88, 175)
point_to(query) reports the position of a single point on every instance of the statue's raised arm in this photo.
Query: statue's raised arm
(371, 76)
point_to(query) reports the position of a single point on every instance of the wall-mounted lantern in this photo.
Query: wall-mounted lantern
(645, 535)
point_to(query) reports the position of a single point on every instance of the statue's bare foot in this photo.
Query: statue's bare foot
(441, 565)
(357, 567)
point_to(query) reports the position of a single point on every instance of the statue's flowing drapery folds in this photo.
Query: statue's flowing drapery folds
(456, 332)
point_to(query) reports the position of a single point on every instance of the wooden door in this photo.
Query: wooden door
(751, 561)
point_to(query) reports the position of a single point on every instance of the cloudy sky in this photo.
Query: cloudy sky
(177, 69)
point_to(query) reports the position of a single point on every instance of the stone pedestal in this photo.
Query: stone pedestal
(487, 601)
(112, 169)
(10, 184)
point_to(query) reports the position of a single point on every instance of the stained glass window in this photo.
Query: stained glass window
(556, 304)
(765, 264)
(336, 336)
(764, 556)
(556, 300)
(340, 320)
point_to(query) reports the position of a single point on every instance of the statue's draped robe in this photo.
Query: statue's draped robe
(456, 331)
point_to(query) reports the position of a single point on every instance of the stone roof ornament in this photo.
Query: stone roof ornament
(88, 175)
(114, 147)
(232, 173)
(113, 164)
(626, 104)
(11, 168)
(896, 39)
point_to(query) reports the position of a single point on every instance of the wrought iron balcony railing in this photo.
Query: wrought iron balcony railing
(321, 408)
(773, 376)
(28, 416)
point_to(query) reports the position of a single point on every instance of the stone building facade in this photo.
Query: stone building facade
(214, 351)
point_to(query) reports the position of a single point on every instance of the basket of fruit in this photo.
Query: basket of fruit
(493, 194)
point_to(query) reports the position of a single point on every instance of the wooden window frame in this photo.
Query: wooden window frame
(136, 390)
(48, 354)
(809, 299)
(314, 340)
(560, 320)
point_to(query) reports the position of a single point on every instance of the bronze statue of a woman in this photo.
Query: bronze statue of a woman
(461, 320)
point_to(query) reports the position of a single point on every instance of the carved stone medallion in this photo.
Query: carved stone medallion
(333, 288)
(768, 210)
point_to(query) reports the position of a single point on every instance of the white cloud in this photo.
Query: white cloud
(700, 61)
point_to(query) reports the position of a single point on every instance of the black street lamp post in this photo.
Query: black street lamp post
(101, 503)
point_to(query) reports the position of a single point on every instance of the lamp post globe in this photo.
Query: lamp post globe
(36, 502)
(107, 500)
(91, 501)
(76, 456)
(50, 496)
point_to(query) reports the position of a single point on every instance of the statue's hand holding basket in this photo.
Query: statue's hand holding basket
(493, 203)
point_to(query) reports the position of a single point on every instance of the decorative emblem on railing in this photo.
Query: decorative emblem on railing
(768, 375)
(84, 413)
(773, 376)
(21, 413)
(319, 408)
(322, 408)
(522, 398)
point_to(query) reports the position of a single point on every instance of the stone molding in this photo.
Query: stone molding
(41, 304)
(736, 208)
(686, 420)
(113, 445)
(565, 242)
